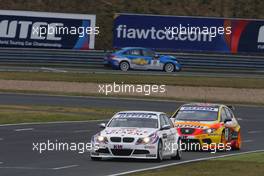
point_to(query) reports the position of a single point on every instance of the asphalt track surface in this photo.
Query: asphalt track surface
(18, 159)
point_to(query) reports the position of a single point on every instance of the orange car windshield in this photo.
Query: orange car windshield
(196, 115)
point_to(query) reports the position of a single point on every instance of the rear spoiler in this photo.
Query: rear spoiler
(231, 107)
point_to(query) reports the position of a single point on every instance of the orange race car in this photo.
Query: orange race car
(207, 127)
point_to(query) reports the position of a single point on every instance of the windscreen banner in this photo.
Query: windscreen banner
(194, 34)
(27, 29)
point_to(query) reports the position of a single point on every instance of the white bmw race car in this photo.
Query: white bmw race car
(137, 134)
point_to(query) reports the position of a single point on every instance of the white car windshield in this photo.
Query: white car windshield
(134, 122)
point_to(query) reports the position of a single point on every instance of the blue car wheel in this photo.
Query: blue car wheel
(169, 67)
(124, 66)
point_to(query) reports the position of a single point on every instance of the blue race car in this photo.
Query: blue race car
(141, 59)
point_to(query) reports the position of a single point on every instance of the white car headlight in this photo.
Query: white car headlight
(146, 140)
(150, 139)
(102, 139)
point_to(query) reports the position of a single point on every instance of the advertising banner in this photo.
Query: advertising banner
(26, 29)
(202, 34)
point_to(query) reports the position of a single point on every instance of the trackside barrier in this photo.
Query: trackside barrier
(94, 59)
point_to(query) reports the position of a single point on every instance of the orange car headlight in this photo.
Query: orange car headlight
(209, 130)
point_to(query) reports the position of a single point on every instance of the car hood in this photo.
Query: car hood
(127, 132)
(196, 124)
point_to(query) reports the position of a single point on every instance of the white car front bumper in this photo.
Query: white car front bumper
(122, 150)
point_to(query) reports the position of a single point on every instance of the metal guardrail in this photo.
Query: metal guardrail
(94, 59)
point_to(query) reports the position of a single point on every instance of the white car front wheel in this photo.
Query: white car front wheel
(160, 152)
(178, 152)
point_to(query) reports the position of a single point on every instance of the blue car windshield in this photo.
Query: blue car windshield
(148, 53)
(138, 52)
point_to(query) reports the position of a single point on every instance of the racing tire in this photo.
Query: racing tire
(159, 152)
(238, 142)
(223, 141)
(169, 68)
(96, 158)
(124, 66)
(178, 155)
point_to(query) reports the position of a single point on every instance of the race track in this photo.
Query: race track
(17, 157)
(190, 73)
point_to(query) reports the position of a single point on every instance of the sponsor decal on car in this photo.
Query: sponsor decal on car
(139, 61)
(199, 109)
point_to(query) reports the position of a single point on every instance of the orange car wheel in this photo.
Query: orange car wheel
(238, 142)
(223, 140)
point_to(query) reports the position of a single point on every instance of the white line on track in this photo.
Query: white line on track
(65, 167)
(24, 129)
(245, 141)
(183, 162)
(53, 69)
(254, 132)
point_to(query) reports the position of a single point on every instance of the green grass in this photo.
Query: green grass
(22, 114)
(134, 79)
(31, 113)
(242, 165)
(253, 157)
